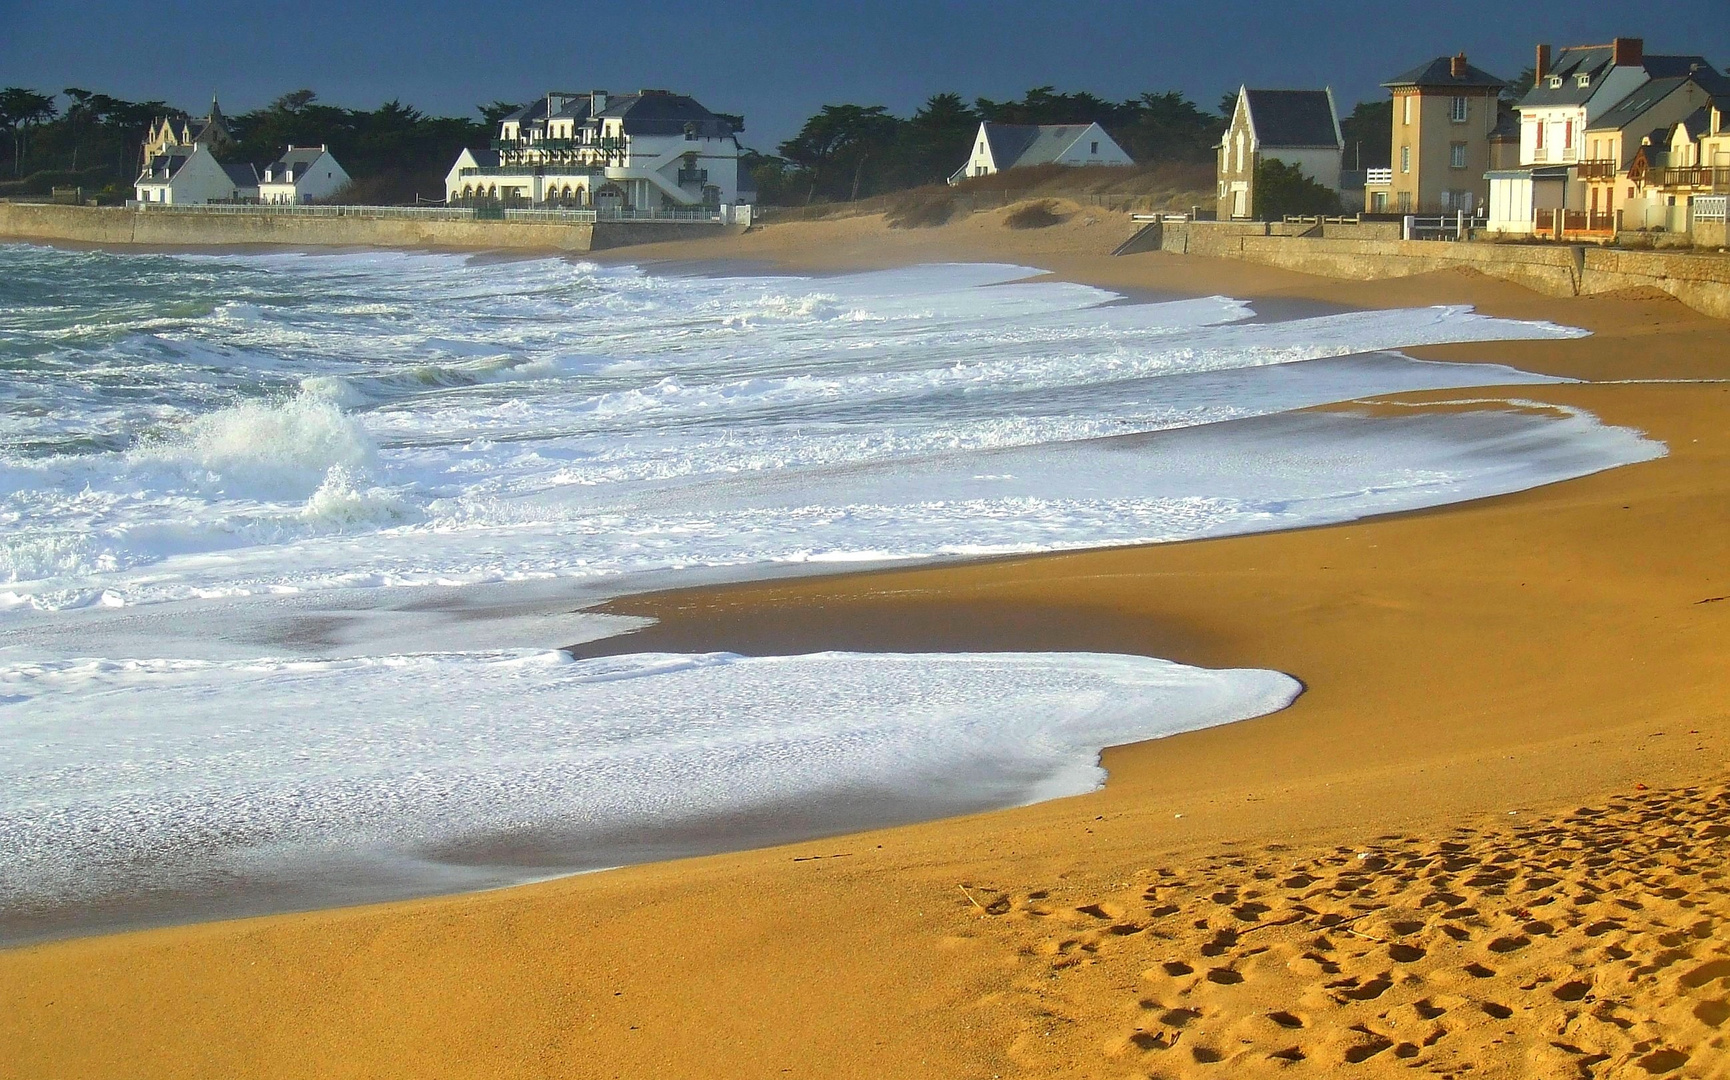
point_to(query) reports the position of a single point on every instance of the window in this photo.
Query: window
(1458, 110)
(1405, 159)
(1457, 155)
(1095, 148)
(1405, 202)
(1582, 80)
(1541, 126)
(1406, 109)
(1555, 82)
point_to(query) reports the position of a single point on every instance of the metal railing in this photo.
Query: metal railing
(1598, 169)
(1710, 208)
(693, 176)
(1715, 177)
(478, 212)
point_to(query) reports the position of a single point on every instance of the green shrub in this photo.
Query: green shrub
(1282, 189)
(1034, 215)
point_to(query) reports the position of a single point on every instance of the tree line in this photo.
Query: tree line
(846, 152)
(395, 152)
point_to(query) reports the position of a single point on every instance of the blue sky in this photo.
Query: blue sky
(777, 62)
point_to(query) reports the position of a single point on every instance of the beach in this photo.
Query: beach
(1485, 836)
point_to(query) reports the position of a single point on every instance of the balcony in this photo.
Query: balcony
(1379, 177)
(1708, 177)
(1598, 169)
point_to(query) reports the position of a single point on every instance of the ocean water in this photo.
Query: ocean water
(288, 543)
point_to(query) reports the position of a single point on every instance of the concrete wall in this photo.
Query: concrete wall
(116, 226)
(1702, 281)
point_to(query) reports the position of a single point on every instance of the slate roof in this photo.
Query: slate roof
(1698, 123)
(292, 165)
(242, 175)
(1293, 118)
(657, 112)
(1592, 61)
(1020, 145)
(1439, 73)
(1595, 61)
(163, 167)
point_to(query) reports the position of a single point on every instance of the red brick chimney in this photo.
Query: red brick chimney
(1457, 66)
(1628, 51)
(1542, 66)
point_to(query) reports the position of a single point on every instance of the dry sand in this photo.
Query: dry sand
(1488, 841)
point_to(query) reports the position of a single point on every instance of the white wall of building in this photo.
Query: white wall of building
(201, 179)
(646, 176)
(321, 179)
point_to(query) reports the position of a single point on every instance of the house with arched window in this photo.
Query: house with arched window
(650, 150)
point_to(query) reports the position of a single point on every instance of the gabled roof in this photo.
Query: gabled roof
(534, 110)
(1697, 123)
(242, 175)
(1588, 60)
(1293, 118)
(1439, 74)
(162, 167)
(1016, 146)
(293, 164)
(1631, 108)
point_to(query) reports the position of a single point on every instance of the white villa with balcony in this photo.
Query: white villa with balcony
(651, 150)
(1569, 98)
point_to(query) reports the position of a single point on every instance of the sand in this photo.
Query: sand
(1488, 840)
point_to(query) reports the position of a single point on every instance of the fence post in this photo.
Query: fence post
(1408, 227)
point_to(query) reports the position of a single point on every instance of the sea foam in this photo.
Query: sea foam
(140, 775)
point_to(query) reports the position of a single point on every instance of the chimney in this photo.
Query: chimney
(1542, 66)
(1457, 66)
(1628, 51)
(597, 101)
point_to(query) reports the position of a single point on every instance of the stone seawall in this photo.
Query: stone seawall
(1702, 281)
(118, 226)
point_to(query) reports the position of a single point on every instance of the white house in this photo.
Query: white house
(190, 175)
(300, 175)
(650, 150)
(1018, 146)
(1297, 127)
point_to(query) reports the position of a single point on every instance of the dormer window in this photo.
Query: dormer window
(1582, 80)
(1555, 82)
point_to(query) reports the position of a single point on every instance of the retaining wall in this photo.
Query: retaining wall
(116, 226)
(1702, 281)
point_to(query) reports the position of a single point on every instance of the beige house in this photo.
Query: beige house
(1445, 135)
(1650, 117)
(171, 135)
(1297, 127)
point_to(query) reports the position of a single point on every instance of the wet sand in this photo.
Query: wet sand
(1476, 675)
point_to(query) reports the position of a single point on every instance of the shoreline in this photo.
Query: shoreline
(1413, 720)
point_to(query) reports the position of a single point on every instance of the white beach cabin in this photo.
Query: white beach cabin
(1018, 146)
(300, 175)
